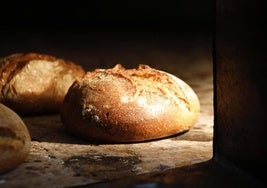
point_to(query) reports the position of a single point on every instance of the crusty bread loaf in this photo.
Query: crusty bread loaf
(35, 83)
(129, 105)
(15, 139)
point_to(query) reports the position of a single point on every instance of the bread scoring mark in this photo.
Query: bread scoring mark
(147, 81)
(149, 88)
(9, 68)
(10, 143)
(9, 139)
(181, 84)
(9, 91)
(5, 132)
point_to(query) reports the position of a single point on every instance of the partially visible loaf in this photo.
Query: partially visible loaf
(33, 83)
(129, 105)
(15, 140)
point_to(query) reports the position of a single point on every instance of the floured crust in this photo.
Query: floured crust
(14, 140)
(129, 105)
(35, 83)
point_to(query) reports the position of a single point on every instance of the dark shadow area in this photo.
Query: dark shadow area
(57, 27)
(49, 128)
(197, 175)
(181, 14)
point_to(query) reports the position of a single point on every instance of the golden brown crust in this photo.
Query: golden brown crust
(36, 83)
(129, 105)
(14, 140)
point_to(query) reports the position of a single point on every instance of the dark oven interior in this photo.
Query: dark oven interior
(177, 37)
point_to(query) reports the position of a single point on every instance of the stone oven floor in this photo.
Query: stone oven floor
(58, 159)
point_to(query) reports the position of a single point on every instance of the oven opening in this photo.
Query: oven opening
(72, 159)
(58, 158)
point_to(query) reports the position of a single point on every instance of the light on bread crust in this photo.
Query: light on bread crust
(34, 83)
(129, 105)
(15, 140)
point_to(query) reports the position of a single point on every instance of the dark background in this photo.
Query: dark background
(102, 33)
(179, 14)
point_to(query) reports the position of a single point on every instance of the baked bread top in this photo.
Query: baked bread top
(129, 105)
(35, 83)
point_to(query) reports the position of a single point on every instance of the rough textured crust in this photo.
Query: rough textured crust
(35, 83)
(15, 140)
(129, 105)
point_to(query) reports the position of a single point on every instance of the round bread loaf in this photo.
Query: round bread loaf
(34, 83)
(15, 140)
(129, 105)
